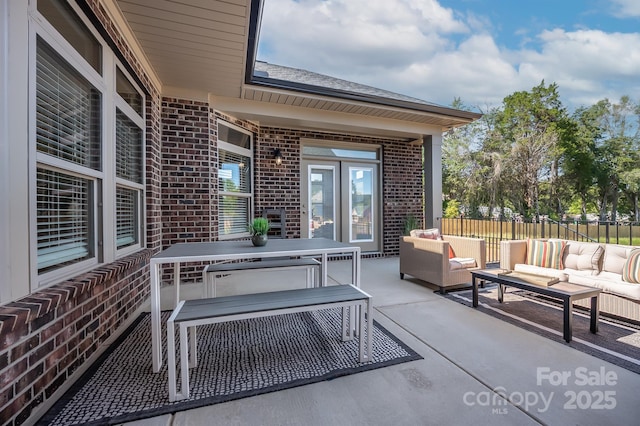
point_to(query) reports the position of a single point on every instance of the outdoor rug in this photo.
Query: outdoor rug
(235, 360)
(617, 342)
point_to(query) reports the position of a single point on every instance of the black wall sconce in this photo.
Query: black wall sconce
(277, 155)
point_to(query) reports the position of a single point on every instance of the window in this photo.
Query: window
(88, 139)
(129, 173)
(234, 180)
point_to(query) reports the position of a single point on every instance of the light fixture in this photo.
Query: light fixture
(277, 155)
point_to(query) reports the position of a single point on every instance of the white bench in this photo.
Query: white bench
(211, 273)
(192, 313)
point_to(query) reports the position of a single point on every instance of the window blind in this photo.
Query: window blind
(128, 149)
(233, 215)
(64, 227)
(67, 111)
(127, 213)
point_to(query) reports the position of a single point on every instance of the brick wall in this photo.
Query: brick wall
(402, 190)
(49, 335)
(279, 186)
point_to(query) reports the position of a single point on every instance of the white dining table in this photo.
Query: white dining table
(219, 251)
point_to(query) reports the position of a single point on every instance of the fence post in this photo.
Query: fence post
(513, 229)
(606, 227)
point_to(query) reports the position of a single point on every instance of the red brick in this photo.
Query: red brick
(10, 374)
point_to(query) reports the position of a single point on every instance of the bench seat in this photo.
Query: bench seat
(211, 273)
(192, 313)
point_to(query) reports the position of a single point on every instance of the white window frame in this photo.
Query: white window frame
(226, 146)
(104, 180)
(138, 120)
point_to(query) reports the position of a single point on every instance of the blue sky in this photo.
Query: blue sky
(478, 50)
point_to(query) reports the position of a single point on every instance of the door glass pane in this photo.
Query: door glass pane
(361, 203)
(322, 203)
(322, 151)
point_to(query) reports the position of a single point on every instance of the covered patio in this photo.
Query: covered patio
(174, 139)
(472, 361)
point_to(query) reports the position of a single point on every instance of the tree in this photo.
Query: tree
(457, 157)
(528, 126)
(616, 149)
(578, 156)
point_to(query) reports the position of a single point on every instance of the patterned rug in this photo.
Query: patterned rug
(617, 342)
(235, 360)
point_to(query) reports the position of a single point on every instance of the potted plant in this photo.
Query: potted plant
(258, 229)
(410, 223)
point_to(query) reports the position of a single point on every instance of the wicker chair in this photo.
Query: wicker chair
(429, 260)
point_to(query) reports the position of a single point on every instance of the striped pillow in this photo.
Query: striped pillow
(547, 254)
(631, 269)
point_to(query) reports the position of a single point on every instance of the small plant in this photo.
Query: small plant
(259, 226)
(410, 223)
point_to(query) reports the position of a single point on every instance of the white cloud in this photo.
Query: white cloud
(420, 49)
(356, 33)
(587, 64)
(626, 8)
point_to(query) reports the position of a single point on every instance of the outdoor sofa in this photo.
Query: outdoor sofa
(610, 267)
(445, 261)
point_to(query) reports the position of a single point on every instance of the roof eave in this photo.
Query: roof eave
(352, 96)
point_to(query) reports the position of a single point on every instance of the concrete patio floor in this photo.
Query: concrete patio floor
(470, 359)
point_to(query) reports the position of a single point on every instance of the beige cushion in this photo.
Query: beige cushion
(539, 270)
(462, 263)
(583, 256)
(615, 257)
(610, 283)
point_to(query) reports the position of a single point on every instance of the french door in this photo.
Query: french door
(340, 201)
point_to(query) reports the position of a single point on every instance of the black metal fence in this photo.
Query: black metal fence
(494, 231)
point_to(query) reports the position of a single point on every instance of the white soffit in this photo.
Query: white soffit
(193, 44)
(271, 98)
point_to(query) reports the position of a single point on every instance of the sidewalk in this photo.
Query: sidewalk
(470, 360)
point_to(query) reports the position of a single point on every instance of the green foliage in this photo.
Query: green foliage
(410, 223)
(452, 209)
(259, 226)
(531, 156)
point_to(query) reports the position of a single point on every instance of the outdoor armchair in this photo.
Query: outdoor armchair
(431, 260)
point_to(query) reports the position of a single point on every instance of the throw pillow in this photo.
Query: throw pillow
(546, 254)
(582, 256)
(631, 270)
(431, 234)
(452, 253)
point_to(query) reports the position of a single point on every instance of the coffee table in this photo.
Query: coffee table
(565, 291)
